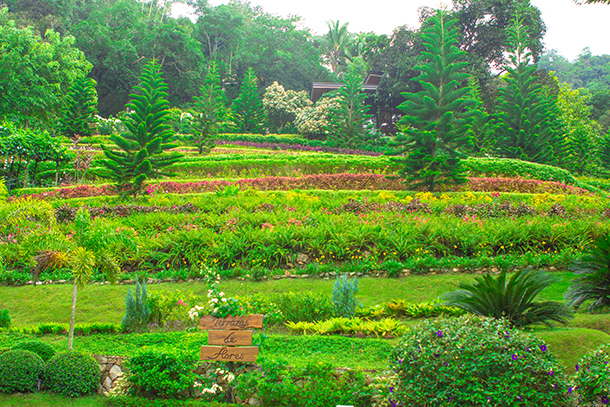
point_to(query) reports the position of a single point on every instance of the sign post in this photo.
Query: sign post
(230, 341)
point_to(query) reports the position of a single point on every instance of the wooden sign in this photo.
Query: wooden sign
(230, 338)
(225, 354)
(249, 321)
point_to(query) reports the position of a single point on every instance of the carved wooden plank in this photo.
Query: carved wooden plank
(248, 321)
(225, 354)
(230, 338)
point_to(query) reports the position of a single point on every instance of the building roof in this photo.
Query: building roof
(320, 88)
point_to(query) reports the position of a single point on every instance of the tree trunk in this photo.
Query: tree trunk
(56, 172)
(73, 312)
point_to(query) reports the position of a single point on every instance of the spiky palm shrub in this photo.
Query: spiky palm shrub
(593, 281)
(141, 153)
(207, 110)
(248, 113)
(348, 121)
(79, 111)
(527, 119)
(513, 299)
(432, 135)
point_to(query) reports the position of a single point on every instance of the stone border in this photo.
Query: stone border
(111, 370)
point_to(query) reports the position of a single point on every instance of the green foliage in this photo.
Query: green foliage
(347, 124)
(303, 306)
(335, 44)
(593, 277)
(386, 327)
(275, 384)
(208, 111)
(42, 349)
(137, 310)
(21, 371)
(3, 192)
(5, 318)
(512, 299)
(159, 374)
(481, 122)
(81, 106)
(472, 361)
(131, 401)
(432, 135)
(592, 377)
(344, 297)
(314, 121)
(141, 150)
(282, 106)
(527, 123)
(72, 374)
(248, 113)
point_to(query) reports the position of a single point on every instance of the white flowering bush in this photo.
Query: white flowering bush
(219, 306)
(313, 121)
(282, 106)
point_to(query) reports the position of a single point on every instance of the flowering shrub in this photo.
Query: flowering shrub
(592, 377)
(160, 374)
(219, 306)
(473, 361)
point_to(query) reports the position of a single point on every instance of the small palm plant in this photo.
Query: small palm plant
(512, 299)
(593, 281)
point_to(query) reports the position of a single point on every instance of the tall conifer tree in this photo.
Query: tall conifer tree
(481, 122)
(248, 113)
(348, 121)
(208, 110)
(432, 134)
(141, 153)
(80, 107)
(527, 119)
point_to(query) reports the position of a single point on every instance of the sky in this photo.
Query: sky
(570, 27)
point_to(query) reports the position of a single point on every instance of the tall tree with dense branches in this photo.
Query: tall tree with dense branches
(248, 113)
(432, 134)
(527, 123)
(141, 153)
(347, 125)
(81, 105)
(207, 110)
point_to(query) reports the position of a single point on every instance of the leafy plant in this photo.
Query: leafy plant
(474, 361)
(344, 297)
(80, 110)
(72, 374)
(159, 374)
(512, 299)
(207, 110)
(42, 349)
(592, 377)
(137, 309)
(5, 318)
(593, 277)
(20, 371)
(247, 109)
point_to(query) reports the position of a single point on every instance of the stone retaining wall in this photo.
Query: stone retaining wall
(111, 368)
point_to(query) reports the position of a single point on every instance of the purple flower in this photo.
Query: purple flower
(392, 402)
(570, 389)
(439, 334)
(550, 373)
(515, 357)
(604, 399)
(543, 348)
(391, 389)
(577, 367)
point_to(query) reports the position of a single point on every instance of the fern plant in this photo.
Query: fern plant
(512, 299)
(593, 281)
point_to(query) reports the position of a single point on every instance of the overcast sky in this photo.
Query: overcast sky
(570, 27)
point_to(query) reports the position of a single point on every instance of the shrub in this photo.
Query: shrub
(20, 371)
(276, 384)
(303, 306)
(593, 277)
(5, 318)
(592, 377)
(344, 297)
(42, 349)
(473, 361)
(392, 268)
(72, 374)
(159, 374)
(137, 310)
(512, 299)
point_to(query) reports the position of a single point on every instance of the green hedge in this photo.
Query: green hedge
(72, 374)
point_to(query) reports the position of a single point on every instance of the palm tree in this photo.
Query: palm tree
(335, 43)
(593, 283)
(512, 299)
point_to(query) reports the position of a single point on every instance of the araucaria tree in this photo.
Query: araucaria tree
(207, 111)
(81, 105)
(527, 122)
(432, 131)
(141, 153)
(348, 122)
(248, 113)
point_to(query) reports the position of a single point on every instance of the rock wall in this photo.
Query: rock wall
(111, 368)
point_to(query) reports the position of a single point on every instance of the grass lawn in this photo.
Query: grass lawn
(47, 399)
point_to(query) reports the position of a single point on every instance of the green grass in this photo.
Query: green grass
(29, 305)
(570, 344)
(46, 399)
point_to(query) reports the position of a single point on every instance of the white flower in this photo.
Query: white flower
(230, 377)
(221, 294)
(224, 299)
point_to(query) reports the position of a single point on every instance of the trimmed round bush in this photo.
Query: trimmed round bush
(592, 377)
(160, 374)
(475, 361)
(42, 349)
(72, 374)
(20, 371)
